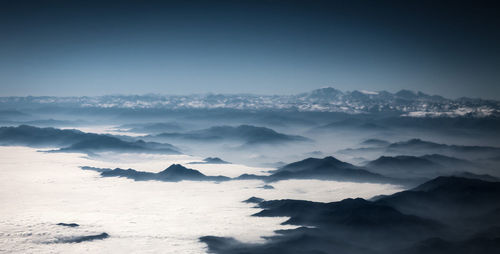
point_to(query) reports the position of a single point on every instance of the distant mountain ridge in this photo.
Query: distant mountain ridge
(404, 102)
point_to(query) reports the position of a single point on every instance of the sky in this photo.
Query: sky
(451, 48)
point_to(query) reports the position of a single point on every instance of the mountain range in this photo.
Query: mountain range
(404, 102)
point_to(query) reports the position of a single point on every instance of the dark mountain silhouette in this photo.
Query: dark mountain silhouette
(174, 173)
(396, 223)
(250, 135)
(77, 141)
(328, 168)
(447, 198)
(211, 160)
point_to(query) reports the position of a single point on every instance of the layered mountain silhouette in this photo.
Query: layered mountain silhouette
(250, 135)
(418, 147)
(444, 215)
(426, 166)
(400, 170)
(173, 173)
(77, 141)
(328, 168)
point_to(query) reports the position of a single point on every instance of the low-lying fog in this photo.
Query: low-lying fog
(43, 189)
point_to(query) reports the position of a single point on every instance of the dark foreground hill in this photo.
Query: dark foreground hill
(406, 222)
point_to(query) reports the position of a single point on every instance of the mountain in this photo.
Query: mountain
(443, 197)
(405, 222)
(77, 141)
(251, 135)
(337, 227)
(328, 168)
(174, 173)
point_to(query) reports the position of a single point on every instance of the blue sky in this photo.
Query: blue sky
(279, 47)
